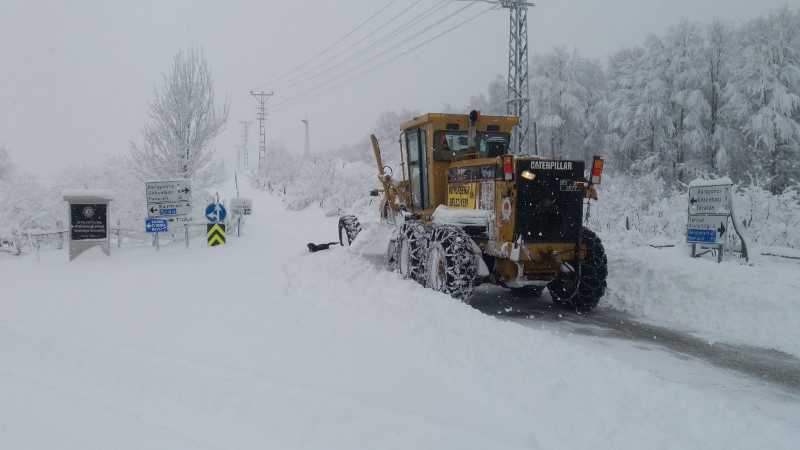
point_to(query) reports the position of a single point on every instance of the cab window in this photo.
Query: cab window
(415, 145)
(488, 144)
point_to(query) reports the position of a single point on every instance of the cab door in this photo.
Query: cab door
(417, 167)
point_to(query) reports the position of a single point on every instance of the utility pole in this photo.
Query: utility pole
(307, 148)
(244, 162)
(261, 116)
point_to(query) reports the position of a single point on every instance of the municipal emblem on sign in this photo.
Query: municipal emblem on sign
(216, 234)
(216, 213)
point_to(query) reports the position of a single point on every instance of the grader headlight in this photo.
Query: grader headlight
(528, 175)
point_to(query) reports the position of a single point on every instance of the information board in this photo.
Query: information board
(88, 221)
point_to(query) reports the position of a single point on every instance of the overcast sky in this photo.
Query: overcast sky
(76, 76)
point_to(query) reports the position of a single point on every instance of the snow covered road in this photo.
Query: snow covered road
(262, 345)
(604, 324)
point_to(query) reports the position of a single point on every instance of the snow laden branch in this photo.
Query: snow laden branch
(183, 121)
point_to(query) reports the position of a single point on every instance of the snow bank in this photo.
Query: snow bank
(106, 194)
(754, 305)
(703, 182)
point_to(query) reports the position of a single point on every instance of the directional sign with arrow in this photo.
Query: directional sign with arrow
(713, 200)
(169, 200)
(216, 213)
(706, 229)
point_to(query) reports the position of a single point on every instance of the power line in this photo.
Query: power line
(377, 56)
(333, 45)
(293, 101)
(332, 57)
(355, 52)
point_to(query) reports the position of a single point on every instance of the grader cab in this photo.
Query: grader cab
(467, 211)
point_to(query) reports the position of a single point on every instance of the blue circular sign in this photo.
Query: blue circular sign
(216, 213)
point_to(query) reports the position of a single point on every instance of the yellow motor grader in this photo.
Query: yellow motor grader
(467, 211)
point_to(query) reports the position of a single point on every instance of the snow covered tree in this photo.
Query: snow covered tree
(590, 89)
(639, 109)
(688, 108)
(494, 101)
(6, 167)
(184, 120)
(763, 96)
(553, 103)
(721, 136)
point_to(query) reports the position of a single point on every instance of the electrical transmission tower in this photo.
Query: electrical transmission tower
(519, 103)
(518, 93)
(261, 116)
(244, 162)
(307, 148)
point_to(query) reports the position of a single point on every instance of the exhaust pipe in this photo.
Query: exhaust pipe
(474, 115)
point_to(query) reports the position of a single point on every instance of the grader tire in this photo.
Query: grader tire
(592, 284)
(452, 267)
(410, 247)
(349, 227)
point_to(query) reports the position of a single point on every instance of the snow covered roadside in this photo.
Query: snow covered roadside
(262, 345)
(756, 305)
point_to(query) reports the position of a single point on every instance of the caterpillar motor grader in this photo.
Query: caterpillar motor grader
(466, 211)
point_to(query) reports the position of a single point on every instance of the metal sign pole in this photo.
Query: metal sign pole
(186, 233)
(745, 252)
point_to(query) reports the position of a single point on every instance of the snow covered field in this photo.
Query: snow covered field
(262, 345)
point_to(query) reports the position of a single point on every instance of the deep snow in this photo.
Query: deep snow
(757, 305)
(260, 344)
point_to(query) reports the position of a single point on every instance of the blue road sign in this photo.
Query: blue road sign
(156, 225)
(701, 236)
(216, 213)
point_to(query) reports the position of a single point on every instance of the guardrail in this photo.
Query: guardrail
(35, 241)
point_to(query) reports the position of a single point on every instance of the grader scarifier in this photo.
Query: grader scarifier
(466, 211)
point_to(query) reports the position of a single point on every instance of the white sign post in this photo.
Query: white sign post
(170, 200)
(239, 207)
(710, 214)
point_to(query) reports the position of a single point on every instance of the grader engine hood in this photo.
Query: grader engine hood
(549, 203)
